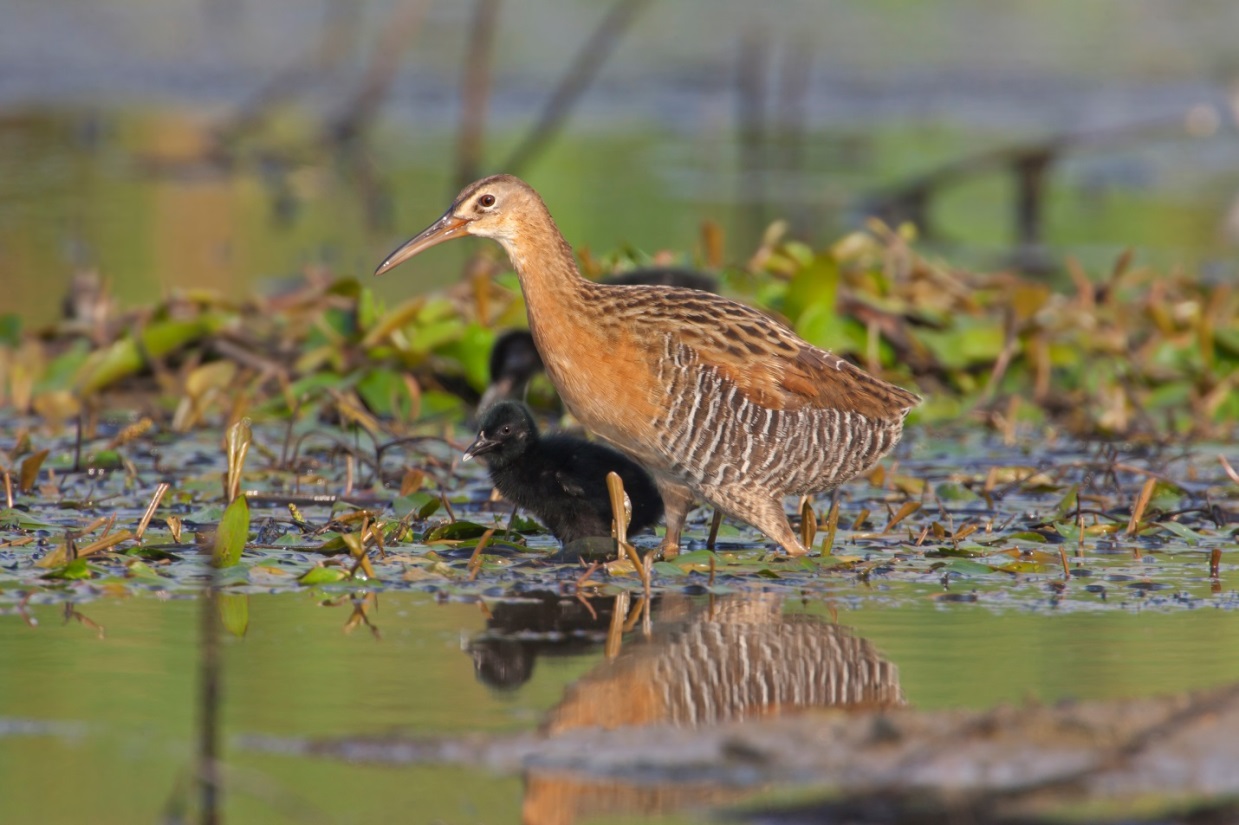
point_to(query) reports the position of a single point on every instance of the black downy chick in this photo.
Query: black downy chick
(561, 479)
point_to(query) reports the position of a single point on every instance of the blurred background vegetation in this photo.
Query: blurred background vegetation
(223, 143)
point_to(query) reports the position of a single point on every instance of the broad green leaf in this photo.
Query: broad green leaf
(138, 569)
(666, 568)
(472, 352)
(968, 567)
(105, 460)
(697, 560)
(1182, 531)
(526, 525)
(63, 369)
(74, 570)
(965, 551)
(334, 543)
(386, 393)
(429, 508)
(128, 355)
(429, 337)
(951, 491)
(1067, 530)
(22, 520)
(965, 345)
(1068, 503)
(232, 534)
(816, 285)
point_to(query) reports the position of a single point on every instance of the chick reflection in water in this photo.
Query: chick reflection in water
(703, 665)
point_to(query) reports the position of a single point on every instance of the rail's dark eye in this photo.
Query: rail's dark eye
(487, 200)
(506, 429)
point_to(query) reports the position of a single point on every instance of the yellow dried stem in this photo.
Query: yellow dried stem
(908, 508)
(619, 512)
(160, 492)
(1142, 501)
(832, 528)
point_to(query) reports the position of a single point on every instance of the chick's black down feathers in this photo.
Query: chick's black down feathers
(561, 479)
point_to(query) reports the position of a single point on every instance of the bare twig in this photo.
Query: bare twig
(615, 633)
(160, 492)
(715, 523)
(475, 559)
(576, 79)
(284, 84)
(584, 580)
(832, 527)
(1230, 471)
(447, 505)
(619, 507)
(795, 72)
(396, 36)
(476, 91)
(908, 508)
(751, 123)
(1142, 501)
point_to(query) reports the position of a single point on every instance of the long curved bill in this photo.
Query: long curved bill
(445, 229)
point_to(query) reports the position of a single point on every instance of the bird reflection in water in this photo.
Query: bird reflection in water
(703, 664)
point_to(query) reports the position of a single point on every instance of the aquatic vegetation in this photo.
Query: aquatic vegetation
(1133, 353)
(353, 479)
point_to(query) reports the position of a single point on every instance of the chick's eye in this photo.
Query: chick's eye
(506, 429)
(487, 200)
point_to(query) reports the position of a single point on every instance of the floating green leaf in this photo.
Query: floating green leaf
(74, 570)
(323, 575)
(22, 520)
(455, 531)
(1182, 531)
(968, 567)
(666, 568)
(232, 534)
(138, 569)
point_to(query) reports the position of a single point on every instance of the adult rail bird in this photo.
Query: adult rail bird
(713, 397)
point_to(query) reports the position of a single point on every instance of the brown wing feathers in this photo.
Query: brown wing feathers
(773, 367)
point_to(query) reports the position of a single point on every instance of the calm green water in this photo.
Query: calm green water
(121, 708)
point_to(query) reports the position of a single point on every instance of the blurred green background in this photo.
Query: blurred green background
(194, 143)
